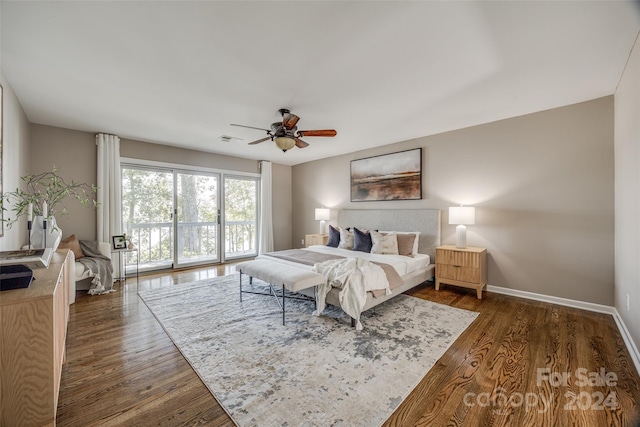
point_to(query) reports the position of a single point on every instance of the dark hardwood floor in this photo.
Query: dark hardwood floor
(506, 369)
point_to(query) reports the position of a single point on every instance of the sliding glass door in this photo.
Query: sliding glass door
(240, 216)
(175, 217)
(147, 214)
(198, 221)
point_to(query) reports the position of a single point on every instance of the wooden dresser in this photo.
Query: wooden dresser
(466, 267)
(33, 330)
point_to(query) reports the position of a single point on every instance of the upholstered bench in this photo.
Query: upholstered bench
(274, 273)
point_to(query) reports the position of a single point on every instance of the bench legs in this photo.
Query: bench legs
(273, 293)
(282, 304)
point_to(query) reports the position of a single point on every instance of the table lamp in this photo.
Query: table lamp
(461, 216)
(322, 215)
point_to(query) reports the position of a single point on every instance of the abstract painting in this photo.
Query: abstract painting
(396, 176)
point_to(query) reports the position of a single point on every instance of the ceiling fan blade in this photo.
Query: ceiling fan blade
(300, 143)
(289, 120)
(324, 132)
(259, 141)
(250, 127)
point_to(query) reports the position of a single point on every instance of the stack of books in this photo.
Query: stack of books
(32, 258)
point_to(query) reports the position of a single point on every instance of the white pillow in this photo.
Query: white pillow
(415, 242)
(346, 239)
(384, 244)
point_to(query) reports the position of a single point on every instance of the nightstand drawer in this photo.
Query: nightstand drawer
(461, 274)
(458, 258)
(315, 239)
(466, 267)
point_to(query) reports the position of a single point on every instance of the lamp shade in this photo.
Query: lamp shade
(285, 143)
(323, 214)
(462, 215)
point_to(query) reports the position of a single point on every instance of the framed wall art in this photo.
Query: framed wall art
(395, 176)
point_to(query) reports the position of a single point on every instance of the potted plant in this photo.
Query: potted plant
(41, 200)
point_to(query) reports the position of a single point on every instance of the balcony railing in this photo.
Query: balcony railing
(197, 241)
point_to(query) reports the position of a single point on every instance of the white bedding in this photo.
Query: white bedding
(402, 264)
(354, 275)
(354, 282)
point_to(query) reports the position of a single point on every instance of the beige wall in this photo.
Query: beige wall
(627, 195)
(542, 185)
(167, 154)
(74, 153)
(15, 161)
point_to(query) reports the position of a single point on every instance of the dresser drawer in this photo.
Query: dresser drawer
(458, 258)
(458, 273)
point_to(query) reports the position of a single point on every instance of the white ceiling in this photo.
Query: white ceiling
(179, 73)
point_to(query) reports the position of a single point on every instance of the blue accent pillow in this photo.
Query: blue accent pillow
(361, 240)
(334, 237)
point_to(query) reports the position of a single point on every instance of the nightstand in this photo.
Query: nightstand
(462, 267)
(315, 239)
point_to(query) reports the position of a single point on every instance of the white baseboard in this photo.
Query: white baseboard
(589, 306)
(626, 336)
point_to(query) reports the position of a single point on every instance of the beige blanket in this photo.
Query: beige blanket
(311, 258)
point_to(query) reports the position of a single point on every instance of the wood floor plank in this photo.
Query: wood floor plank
(426, 403)
(123, 370)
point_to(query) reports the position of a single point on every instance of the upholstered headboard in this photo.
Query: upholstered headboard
(426, 221)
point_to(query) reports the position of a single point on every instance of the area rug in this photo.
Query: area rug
(314, 371)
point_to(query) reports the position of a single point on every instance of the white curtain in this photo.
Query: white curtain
(265, 240)
(109, 195)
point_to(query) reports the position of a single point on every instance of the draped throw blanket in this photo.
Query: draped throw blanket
(310, 258)
(354, 276)
(99, 267)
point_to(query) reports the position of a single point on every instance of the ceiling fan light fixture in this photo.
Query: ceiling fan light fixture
(285, 143)
(285, 134)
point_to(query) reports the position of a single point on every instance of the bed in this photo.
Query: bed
(412, 270)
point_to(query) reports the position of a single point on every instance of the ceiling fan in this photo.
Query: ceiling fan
(286, 135)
